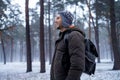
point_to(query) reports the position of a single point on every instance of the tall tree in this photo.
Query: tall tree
(3, 7)
(101, 8)
(50, 52)
(117, 13)
(3, 48)
(114, 36)
(89, 23)
(28, 43)
(96, 28)
(42, 53)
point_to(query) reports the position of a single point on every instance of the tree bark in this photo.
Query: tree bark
(28, 43)
(109, 39)
(21, 51)
(50, 52)
(89, 23)
(114, 37)
(11, 59)
(42, 53)
(96, 28)
(3, 48)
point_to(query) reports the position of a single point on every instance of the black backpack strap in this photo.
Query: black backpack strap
(66, 36)
(87, 44)
(66, 39)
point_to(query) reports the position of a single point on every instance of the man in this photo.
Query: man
(69, 57)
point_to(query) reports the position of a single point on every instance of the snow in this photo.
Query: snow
(17, 71)
(103, 72)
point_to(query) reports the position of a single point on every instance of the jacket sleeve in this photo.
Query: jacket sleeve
(76, 48)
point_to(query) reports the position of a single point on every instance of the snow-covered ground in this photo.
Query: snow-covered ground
(17, 71)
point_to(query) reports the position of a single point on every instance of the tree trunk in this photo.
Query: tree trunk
(50, 52)
(114, 37)
(3, 48)
(89, 20)
(75, 14)
(118, 33)
(96, 28)
(42, 53)
(28, 44)
(89, 23)
(109, 38)
(11, 59)
(46, 40)
(21, 51)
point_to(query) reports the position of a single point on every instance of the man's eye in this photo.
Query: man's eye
(57, 17)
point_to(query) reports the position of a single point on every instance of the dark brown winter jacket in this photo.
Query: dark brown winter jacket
(69, 61)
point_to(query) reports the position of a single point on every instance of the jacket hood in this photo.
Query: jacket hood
(75, 29)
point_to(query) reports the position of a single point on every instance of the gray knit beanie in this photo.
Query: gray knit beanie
(67, 18)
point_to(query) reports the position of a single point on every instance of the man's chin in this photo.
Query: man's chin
(57, 27)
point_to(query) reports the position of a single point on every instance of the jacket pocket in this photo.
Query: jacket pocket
(58, 62)
(66, 62)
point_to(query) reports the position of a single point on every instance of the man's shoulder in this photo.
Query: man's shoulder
(75, 31)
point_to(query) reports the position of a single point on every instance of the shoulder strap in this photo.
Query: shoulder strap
(66, 38)
(87, 44)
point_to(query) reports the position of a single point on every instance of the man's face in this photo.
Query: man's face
(58, 22)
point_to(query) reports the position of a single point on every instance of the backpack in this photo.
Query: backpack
(90, 55)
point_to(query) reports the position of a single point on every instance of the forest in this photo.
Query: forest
(29, 35)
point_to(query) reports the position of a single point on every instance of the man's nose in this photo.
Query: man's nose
(55, 21)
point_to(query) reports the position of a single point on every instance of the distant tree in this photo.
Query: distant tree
(94, 22)
(42, 53)
(8, 21)
(102, 7)
(3, 48)
(3, 8)
(34, 31)
(28, 43)
(3, 34)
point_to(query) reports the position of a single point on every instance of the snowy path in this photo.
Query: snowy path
(17, 71)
